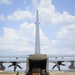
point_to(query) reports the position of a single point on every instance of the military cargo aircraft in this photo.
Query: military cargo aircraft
(37, 64)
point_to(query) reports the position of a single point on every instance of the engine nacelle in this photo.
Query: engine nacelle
(2, 67)
(72, 67)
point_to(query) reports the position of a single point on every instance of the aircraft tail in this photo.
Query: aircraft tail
(37, 39)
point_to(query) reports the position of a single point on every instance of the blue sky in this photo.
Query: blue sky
(57, 26)
(17, 26)
(66, 5)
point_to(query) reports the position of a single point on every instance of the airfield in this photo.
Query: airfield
(51, 73)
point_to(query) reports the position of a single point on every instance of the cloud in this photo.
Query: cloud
(49, 15)
(23, 39)
(5, 1)
(24, 1)
(13, 40)
(11, 32)
(67, 32)
(2, 17)
(65, 41)
(20, 15)
(35, 3)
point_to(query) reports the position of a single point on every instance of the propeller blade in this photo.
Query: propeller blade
(10, 65)
(15, 68)
(19, 66)
(54, 66)
(58, 66)
(63, 64)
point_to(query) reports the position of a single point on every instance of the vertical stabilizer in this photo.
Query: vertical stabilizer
(37, 39)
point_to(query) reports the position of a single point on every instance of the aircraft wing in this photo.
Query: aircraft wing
(52, 58)
(13, 60)
(64, 60)
(10, 59)
(15, 56)
(58, 60)
(59, 55)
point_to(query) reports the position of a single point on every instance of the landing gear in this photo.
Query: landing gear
(37, 71)
(48, 74)
(17, 73)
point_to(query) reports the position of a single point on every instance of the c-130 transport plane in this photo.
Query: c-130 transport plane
(37, 64)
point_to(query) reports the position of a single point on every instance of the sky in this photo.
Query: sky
(17, 26)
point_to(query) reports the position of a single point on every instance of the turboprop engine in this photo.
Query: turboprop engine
(2, 67)
(72, 66)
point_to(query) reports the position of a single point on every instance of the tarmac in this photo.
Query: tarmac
(51, 73)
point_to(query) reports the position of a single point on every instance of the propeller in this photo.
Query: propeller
(58, 63)
(15, 64)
